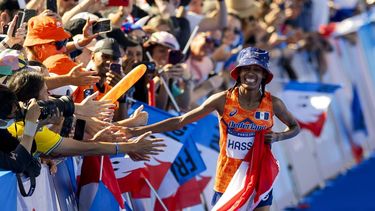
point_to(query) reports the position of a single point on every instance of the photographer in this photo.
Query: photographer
(159, 46)
(16, 156)
(51, 143)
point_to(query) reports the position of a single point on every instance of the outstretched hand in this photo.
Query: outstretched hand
(109, 134)
(139, 117)
(144, 147)
(91, 108)
(82, 78)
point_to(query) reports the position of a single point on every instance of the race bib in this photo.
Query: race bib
(239, 144)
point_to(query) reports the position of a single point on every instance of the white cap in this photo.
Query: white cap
(163, 38)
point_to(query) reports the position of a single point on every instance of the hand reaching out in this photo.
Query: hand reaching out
(109, 134)
(143, 147)
(89, 107)
(94, 125)
(82, 78)
(139, 117)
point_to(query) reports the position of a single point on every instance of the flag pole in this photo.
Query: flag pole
(192, 35)
(156, 194)
(101, 168)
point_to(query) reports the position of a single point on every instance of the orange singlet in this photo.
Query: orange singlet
(237, 131)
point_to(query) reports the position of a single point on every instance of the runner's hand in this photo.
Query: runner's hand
(272, 137)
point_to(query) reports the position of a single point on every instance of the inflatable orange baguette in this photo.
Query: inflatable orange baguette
(125, 83)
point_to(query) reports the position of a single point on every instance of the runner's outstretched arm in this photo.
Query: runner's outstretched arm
(215, 102)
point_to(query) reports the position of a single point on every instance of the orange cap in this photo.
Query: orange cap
(44, 29)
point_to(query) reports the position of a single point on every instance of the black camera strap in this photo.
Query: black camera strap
(22, 188)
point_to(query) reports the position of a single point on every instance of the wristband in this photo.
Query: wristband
(30, 128)
(75, 42)
(116, 147)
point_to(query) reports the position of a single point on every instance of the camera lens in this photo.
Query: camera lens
(63, 104)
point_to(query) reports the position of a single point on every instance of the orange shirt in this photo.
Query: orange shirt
(59, 64)
(237, 131)
(78, 95)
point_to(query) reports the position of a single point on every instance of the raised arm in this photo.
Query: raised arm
(215, 102)
(214, 23)
(287, 118)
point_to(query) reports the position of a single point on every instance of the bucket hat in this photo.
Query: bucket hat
(253, 56)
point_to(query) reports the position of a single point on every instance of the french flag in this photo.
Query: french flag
(132, 175)
(253, 180)
(309, 102)
(98, 188)
(262, 115)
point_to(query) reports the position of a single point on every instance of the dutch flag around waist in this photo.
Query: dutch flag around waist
(262, 115)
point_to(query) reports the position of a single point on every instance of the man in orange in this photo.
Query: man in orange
(106, 52)
(46, 41)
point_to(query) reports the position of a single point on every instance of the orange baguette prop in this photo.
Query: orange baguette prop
(125, 83)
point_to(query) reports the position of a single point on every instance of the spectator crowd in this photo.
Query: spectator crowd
(55, 66)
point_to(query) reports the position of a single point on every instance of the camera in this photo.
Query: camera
(63, 104)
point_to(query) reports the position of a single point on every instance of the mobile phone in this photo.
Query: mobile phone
(102, 25)
(88, 92)
(117, 2)
(174, 57)
(19, 22)
(79, 130)
(29, 13)
(115, 68)
(51, 5)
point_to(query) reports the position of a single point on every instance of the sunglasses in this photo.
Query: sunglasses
(216, 42)
(60, 44)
